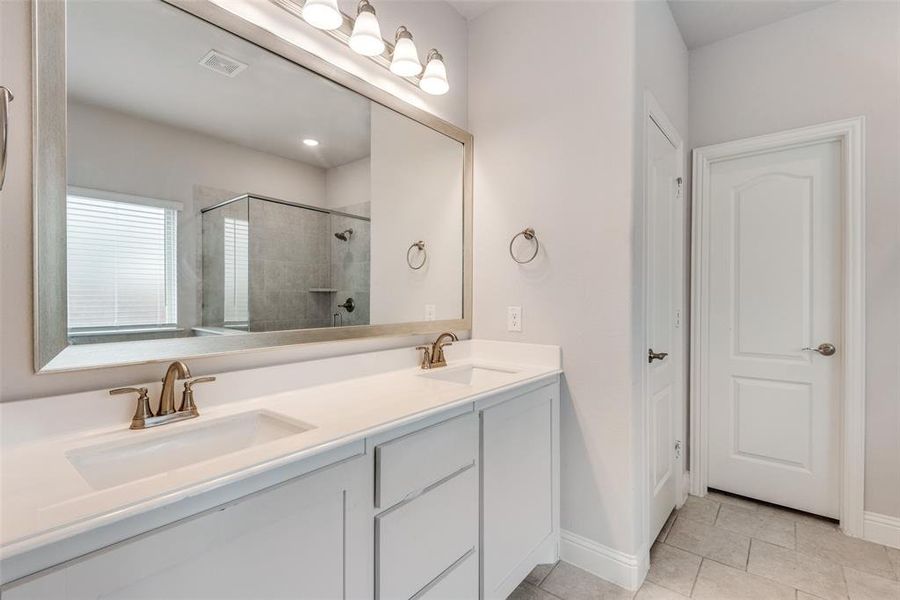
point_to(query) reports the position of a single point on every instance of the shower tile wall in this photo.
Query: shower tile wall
(289, 255)
(350, 268)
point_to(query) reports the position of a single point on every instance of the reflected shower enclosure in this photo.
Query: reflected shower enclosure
(273, 265)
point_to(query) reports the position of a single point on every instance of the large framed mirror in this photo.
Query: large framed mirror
(228, 191)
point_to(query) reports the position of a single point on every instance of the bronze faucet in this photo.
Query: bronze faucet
(433, 356)
(177, 370)
(165, 413)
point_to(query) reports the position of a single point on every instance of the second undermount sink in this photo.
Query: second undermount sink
(115, 463)
(470, 375)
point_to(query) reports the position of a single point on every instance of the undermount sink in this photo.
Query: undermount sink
(108, 465)
(470, 375)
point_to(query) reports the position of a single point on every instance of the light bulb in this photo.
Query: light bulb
(366, 36)
(323, 14)
(405, 61)
(434, 80)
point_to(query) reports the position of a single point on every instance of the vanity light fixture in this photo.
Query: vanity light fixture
(405, 60)
(363, 35)
(323, 14)
(366, 36)
(312, 143)
(434, 80)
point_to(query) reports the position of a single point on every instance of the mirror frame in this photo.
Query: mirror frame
(52, 352)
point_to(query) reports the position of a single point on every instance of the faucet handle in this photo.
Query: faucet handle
(187, 397)
(190, 382)
(426, 358)
(142, 411)
(129, 390)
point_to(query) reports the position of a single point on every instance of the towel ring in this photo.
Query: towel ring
(528, 234)
(421, 246)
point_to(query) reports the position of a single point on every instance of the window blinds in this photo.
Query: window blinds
(237, 271)
(121, 259)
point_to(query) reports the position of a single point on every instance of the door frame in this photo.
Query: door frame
(850, 133)
(654, 111)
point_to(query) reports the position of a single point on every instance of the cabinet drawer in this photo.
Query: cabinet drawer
(460, 583)
(415, 461)
(420, 539)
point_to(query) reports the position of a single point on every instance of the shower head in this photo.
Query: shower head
(344, 235)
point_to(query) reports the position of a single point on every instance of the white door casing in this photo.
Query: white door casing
(775, 289)
(778, 250)
(663, 379)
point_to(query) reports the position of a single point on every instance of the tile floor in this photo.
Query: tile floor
(729, 548)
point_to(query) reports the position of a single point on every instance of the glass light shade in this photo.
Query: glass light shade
(405, 61)
(434, 80)
(366, 36)
(323, 14)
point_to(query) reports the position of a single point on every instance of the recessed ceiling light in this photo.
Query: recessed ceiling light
(310, 142)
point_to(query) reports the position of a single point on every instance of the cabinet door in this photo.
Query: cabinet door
(291, 541)
(518, 481)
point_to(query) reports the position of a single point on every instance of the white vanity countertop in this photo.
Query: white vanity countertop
(45, 499)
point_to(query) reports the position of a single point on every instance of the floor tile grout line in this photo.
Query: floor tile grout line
(662, 585)
(844, 577)
(696, 577)
(539, 588)
(547, 576)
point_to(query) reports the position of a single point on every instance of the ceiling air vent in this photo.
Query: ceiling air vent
(222, 64)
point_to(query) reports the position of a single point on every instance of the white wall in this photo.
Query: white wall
(417, 194)
(349, 185)
(434, 23)
(110, 150)
(838, 61)
(551, 107)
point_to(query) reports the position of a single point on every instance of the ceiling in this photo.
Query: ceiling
(703, 22)
(471, 9)
(116, 60)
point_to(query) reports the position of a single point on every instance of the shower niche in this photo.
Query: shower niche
(274, 265)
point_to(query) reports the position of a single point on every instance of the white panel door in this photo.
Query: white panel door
(775, 289)
(664, 289)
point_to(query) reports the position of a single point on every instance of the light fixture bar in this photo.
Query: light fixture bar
(342, 33)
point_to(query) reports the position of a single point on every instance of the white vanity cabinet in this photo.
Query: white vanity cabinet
(426, 537)
(519, 487)
(306, 538)
(459, 504)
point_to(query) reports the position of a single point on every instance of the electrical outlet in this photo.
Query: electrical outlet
(430, 312)
(514, 318)
(677, 317)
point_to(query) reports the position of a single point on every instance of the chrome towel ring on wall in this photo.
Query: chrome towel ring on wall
(5, 98)
(528, 234)
(421, 246)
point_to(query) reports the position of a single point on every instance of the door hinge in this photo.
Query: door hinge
(677, 449)
(679, 181)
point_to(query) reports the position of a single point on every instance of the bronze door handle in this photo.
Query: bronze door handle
(651, 355)
(826, 349)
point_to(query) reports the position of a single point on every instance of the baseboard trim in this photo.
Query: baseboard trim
(881, 529)
(625, 570)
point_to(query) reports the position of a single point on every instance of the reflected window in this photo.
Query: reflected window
(237, 275)
(121, 260)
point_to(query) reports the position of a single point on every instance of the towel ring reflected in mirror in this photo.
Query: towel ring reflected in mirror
(528, 234)
(421, 246)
